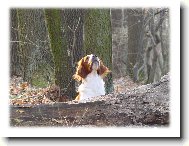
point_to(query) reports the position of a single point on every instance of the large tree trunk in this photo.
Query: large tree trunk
(98, 38)
(74, 22)
(61, 54)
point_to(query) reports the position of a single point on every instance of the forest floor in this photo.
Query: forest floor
(138, 105)
(21, 93)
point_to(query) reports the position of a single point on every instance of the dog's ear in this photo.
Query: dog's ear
(81, 71)
(103, 70)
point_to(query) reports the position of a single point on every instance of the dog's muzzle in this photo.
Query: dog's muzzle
(95, 62)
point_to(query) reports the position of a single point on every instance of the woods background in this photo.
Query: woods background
(46, 44)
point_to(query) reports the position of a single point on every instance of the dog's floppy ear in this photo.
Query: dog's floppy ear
(103, 70)
(81, 71)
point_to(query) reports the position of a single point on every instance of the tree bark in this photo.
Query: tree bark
(98, 39)
(14, 47)
(155, 54)
(24, 48)
(30, 35)
(61, 54)
(74, 22)
(135, 26)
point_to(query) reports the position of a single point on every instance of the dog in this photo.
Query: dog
(90, 71)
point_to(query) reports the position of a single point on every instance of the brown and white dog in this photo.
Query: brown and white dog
(90, 71)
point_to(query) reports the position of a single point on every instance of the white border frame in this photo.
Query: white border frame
(172, 131)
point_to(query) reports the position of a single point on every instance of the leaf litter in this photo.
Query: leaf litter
(23, 94)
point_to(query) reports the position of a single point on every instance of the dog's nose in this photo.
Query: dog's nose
(94, 56)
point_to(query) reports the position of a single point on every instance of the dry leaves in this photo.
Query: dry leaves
(124, 84)
(21, 93)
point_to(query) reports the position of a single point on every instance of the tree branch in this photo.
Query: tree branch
(162, 10)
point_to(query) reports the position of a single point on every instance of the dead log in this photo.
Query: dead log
(147, 105)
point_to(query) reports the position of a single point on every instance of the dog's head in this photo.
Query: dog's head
(88, 64)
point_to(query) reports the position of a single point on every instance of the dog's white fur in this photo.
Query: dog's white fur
(90, 71)
(92, 86)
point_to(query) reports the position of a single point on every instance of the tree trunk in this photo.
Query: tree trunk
(74, 22)
(119, 42)
(61, 54)
(134, 38)
(14, 46)
(24, 47)
(98, 38)
(33, 53)
(155, 54)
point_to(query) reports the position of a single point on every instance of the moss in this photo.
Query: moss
(53, 17)
(39, 81)
(63, 68)
(98, 38)
(43, 77)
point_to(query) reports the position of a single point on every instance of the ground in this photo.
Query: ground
(21, 93)
(143, 105)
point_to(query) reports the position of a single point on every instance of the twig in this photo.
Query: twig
(74, 39)
(159, 23)
(26, 38)
(151, 36)
(165, 10)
